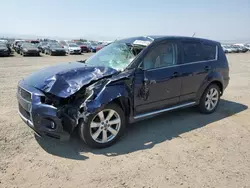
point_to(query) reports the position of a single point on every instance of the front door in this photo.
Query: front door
(157, 84)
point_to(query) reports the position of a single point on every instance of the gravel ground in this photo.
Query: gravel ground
(178, 149)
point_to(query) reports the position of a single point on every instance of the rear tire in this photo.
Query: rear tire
(210, 99)
(102, 129)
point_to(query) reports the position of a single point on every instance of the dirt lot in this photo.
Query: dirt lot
(177, 149)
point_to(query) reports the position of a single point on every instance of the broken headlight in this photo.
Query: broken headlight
(46, 100)
(51, 100)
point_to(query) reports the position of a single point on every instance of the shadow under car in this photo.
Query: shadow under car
(145, 134)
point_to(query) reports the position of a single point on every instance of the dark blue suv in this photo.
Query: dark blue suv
(127, 81)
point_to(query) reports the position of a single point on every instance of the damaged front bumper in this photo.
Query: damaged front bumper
(42, 118)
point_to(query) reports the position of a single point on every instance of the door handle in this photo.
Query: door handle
(176, 74)
(207, 68)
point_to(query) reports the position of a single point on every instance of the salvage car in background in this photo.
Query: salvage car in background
(4, 49)
(227, 48)
(247, 46)
(121, 84)
(41, 46)
(64, 43)
(54, 49)
(17, 45)
(73, 48)
(235, 49)
(93, 47)
(241, 48)
(84, 47)
(102, 45)
(14, 45)
(27, 49)
(99, 47)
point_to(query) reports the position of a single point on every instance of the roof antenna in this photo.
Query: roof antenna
(194, 34)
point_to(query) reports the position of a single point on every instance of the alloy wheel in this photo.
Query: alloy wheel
(105, 126)
(211, 99)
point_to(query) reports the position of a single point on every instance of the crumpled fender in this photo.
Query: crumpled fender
(104, 93)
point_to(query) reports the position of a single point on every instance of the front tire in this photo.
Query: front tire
(103, 128)
(210, 99)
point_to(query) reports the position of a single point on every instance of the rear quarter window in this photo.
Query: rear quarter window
(192, 51)
(209, 51)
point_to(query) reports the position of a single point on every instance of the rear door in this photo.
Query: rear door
(158, 85)
(197, 62)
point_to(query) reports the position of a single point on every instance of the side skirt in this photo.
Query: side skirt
(154, 113)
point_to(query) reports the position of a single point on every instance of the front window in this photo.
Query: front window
(28, 45)
(93, 44)
(43, 43)
(73, 45)
(55, 45)
(117, 56)
(79, 43)
(163, 55)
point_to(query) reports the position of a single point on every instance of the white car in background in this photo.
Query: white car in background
(72, 48)
(247, 46)
(227, 48)
(3, 41)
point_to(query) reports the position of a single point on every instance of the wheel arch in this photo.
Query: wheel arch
(118, 94)
(124, 103)
(213, 79)
(218, 83)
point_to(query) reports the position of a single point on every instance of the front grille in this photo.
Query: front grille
(25, 113)
(32, 51)
(24, 94)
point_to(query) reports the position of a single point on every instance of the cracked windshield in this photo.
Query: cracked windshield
(117, 56)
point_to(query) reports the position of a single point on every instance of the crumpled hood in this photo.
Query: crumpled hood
(66, 79)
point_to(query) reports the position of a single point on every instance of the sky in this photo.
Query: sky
(112, 19)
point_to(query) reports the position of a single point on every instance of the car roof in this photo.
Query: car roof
(158, 38)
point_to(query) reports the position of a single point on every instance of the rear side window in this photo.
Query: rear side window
(209, 52)
(192, 51)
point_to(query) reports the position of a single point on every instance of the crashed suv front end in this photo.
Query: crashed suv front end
(39, 116)
(55, 100)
